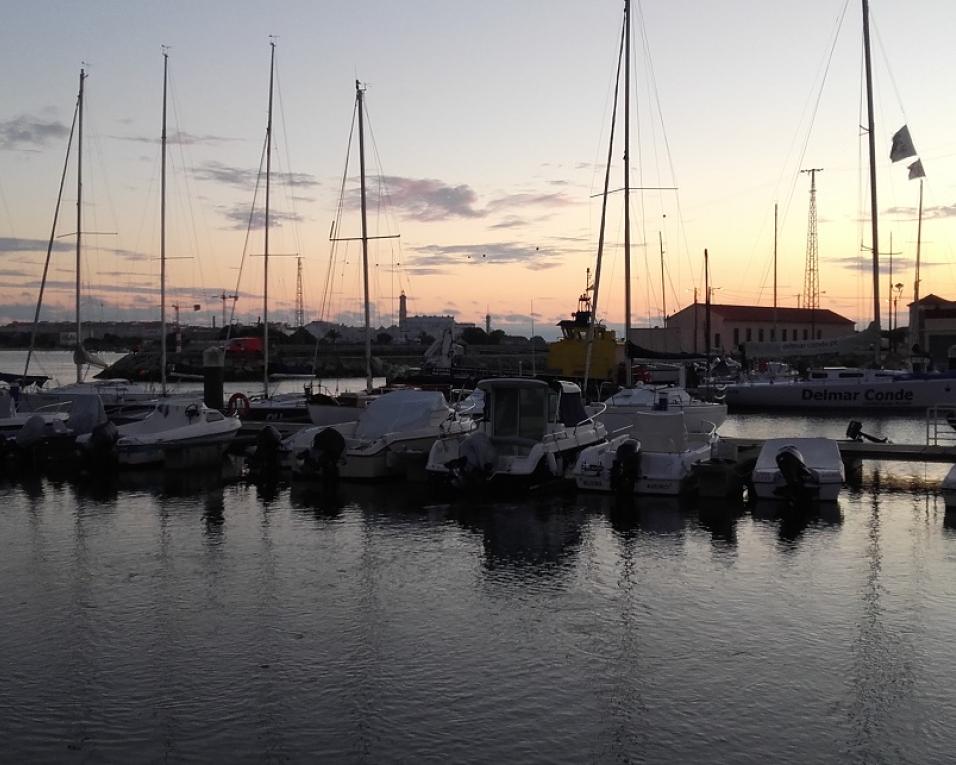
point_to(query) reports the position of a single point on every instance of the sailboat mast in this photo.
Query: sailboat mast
(359, 100)
(874, 209)
(707, 305)
(660, 239)
(79, 223)
(775, 270)
(600, 250)
(162, 238)
(265, 257)
(919, 239)
(627, 193)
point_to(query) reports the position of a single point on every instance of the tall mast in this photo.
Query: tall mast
(79, 225)
(359, 100)
(162, 238)
(627, 193)
(265, 274)
(919, 238)
(707, 305)
(600, 251)
(775, 270)
(874, 209)
(660, 239)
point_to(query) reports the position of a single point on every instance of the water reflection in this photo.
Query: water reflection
(794, 518)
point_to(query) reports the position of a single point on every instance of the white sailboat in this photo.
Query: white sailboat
(174, 428)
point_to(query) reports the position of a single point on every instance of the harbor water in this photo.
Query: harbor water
(193, 617)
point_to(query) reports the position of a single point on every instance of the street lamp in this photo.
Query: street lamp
(898, 287)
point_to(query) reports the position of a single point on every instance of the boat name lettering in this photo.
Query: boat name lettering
(870, 394)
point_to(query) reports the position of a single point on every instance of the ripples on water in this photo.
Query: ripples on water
(182, 618)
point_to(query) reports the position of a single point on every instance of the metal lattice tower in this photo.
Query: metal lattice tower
(299, 299)
(811, 280)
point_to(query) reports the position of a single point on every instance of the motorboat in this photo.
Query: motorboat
(657, 455)
(799, 469)
(391, 433)
(618, 410)
(176, 432)
(842, 388)
(12, 419)
(529, 431)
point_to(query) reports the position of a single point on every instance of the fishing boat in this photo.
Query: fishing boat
(175, 433)
(530, 432)
(799, 469)
(391, 434)
(657, 456)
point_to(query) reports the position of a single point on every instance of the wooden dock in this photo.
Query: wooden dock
(862, 450)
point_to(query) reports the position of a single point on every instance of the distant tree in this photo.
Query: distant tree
(496, 337)
(383, 338)
(332, 335)
(474, 336)
(425, 339)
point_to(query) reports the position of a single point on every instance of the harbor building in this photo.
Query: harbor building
(933, 327)
(733, 325)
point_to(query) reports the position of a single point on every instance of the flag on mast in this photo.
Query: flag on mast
(916, 170)
(902, 145)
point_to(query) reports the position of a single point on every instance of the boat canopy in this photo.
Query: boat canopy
(402, 410)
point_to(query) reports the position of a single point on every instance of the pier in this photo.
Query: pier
(860, 450)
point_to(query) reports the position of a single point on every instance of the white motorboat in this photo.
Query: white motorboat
(390, 435)
(529, 431)
(657, 455)
(799, 468)
(842, 388)
(12, 419)
(180, 432)
(619, 410)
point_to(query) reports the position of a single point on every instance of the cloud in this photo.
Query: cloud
(435, 255)
(28, 132)
(13, 244)
(245, 178)
(929, 213)
(864, 263)
(238, 215)
(428, 199)
(512, 221)
(178, 137)
(14, 274)
(526, 199)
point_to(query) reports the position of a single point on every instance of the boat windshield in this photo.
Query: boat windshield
(520, 413)
(571, 409)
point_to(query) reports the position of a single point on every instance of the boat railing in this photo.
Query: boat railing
(941, 425)
(590, 418)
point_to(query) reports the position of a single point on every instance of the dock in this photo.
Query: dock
(862, 450)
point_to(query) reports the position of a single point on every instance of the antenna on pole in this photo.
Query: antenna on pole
(811, 279)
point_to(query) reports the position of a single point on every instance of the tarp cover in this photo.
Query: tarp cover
(402, 410)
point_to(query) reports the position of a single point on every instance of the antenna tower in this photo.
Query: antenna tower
(299, 300)
(811, 280)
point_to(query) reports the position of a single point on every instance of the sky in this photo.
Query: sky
(486, 151)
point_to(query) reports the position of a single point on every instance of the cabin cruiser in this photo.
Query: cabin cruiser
(529, 430)
(620, 409)
(658, 455)
(842, 388)
(391, 433)
(799, 469)
(175, 431)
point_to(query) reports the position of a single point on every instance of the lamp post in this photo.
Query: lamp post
(898, 288)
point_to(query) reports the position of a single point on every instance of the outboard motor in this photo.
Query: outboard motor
(322, 458)
(626, 467)
(797, 476)
(101, 448)
(854, 431)
(477, 458)
(268, 448)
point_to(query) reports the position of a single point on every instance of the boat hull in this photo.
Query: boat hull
(836, 396)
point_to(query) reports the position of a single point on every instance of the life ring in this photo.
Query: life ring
(239, 404)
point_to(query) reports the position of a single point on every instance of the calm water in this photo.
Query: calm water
(184, 618)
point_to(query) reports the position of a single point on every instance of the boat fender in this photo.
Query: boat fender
(552, 464)
(239, 404)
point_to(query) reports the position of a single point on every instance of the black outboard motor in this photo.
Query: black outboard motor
(266, 456)
(799, 479)
(322, 458)
(100, 450)
(626, 467)
(476, 461)
(854, 431)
